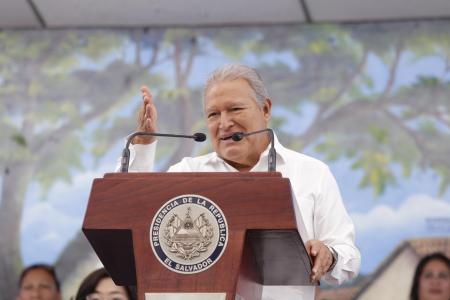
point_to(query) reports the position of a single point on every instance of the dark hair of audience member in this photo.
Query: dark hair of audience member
(90, 283)
(47, 268)
(414, 295)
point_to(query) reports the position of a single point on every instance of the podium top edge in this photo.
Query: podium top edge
(135, 175)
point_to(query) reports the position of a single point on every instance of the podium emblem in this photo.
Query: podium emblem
(188, 234)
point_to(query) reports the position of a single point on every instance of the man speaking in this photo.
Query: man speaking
(236, 101)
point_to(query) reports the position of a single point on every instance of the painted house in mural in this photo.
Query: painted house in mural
(393, 278)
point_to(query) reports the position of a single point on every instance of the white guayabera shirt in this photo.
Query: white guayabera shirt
(322, 215)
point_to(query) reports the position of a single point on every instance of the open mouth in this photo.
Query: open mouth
(226, 137)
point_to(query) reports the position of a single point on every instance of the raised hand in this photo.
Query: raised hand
(147, 118)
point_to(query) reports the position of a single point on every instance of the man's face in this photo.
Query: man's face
(231, 107)
(38, 285)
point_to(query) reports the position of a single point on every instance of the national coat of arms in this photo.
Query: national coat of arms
(187, 238)
(188, 234)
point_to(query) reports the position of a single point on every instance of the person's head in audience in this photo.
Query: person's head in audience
(38, 282)
(432, 278)
(99, 286)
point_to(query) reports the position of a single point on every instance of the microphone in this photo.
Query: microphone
(125, 162)
(272, 159)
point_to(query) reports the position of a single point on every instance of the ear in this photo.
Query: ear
(267, 109)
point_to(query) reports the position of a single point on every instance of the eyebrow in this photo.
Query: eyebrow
(38, 284)
(237, 103)
(110, 293)
(211, 108)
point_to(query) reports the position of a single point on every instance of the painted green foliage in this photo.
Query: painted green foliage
(381, 128)
(43, 100)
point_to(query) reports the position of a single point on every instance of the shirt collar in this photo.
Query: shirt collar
(282, 152)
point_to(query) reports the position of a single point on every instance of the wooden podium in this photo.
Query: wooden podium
(263, 248)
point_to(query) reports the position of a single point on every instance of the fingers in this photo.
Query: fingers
(321, 257)
(148, 113)
(147, 117)
(146, 95)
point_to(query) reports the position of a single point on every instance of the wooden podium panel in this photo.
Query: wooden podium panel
(264, 246)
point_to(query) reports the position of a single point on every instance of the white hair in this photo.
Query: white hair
(236, 71)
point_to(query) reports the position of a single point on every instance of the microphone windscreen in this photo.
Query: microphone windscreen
(237, 136)
(199, 137)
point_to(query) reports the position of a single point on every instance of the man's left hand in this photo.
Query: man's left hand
(321, 257)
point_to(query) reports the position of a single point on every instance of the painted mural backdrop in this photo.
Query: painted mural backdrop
(371, 100)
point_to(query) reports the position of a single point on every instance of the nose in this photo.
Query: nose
(435, 281)
(226, 121)
(35, 294)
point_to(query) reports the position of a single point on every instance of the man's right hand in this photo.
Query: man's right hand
(147, 117)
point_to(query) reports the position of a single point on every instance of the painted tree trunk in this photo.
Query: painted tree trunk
(15, 180)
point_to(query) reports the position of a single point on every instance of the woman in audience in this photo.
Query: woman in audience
(99, 286)
(432, 278)
(39, 282)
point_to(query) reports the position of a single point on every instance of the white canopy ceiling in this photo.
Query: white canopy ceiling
(42, 14)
